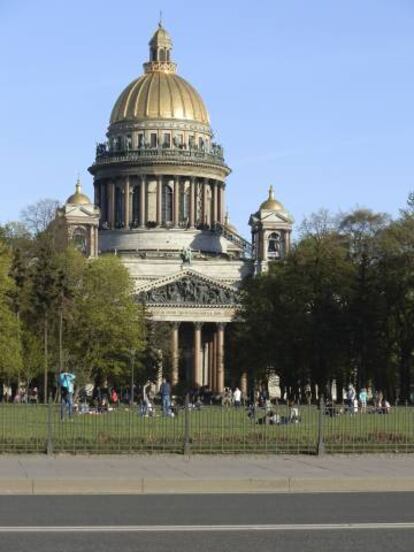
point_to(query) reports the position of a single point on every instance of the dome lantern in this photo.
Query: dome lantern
(160, 52)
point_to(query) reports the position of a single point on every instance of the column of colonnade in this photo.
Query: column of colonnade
(210, 208)
(208, 357)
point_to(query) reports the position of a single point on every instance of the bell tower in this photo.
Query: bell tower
(271, 232)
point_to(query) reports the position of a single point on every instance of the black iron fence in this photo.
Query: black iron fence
(296, 429)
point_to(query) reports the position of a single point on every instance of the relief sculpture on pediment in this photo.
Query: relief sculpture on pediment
(190, 291)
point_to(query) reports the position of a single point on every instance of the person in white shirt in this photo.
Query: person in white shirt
(350, 397)
(237, 395)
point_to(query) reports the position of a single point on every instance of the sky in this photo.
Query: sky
(315, 97)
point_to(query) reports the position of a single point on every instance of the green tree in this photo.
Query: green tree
(43, 299)
(33, 356)
(107, 322)
(362, 232)
(396, 274)
(10, 344)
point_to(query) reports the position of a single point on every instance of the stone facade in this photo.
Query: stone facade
(159, 182)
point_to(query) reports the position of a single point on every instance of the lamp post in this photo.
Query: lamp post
(131, 395)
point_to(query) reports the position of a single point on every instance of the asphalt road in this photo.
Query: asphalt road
(244, 522)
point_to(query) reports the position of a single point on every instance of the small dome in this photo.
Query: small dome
(78, 198)
(161, 38)
(271, 203)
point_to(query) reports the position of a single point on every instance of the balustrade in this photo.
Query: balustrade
(213, 155)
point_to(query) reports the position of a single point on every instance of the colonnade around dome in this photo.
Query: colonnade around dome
(149, 201)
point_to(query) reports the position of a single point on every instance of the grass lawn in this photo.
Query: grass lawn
(25, 428)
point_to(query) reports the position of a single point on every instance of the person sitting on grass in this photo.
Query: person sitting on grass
(294, 417)
(386, 407)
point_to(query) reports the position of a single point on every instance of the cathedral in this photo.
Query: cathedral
(159, 203)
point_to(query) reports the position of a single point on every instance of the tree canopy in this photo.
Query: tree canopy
(340, 306)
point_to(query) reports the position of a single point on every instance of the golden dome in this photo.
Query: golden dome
(160, 93)
(78, 198)
(271, 203)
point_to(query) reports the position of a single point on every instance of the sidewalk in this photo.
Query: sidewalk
(137, 474)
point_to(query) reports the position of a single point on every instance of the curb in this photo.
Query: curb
(201, 486)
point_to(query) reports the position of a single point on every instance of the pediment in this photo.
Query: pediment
(189, 288)
(82, 211)
(276, 217)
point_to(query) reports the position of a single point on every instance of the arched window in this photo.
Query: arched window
(162, 54)
(167, 203)
(274, 246)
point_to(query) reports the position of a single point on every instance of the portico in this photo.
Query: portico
(199, 309)
(207, 354)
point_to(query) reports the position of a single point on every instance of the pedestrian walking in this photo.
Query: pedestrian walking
(165, 392)
(363, 398)
(350, 398)
(66, 383)
(237, 395)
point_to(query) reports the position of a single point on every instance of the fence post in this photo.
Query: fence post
(49, 446)
(187, 447)
(321, 445)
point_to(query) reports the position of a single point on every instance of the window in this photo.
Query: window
(103, 204)
(153, 140)
(140, 140)
(178, 140)
(119, 210)
(167, 203)
(201, 143)
(184, 201)
(167, 140)
(274, 246)
(128, 142)
(79, 240)
(135, 206)
(191, 140)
